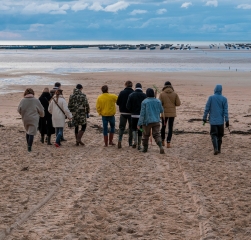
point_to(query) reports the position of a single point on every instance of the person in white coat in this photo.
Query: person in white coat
(59, 110)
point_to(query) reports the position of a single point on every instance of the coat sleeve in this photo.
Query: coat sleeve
(66, 109)
(129, 103)
(87, 106)
(19, 108)
(177, 101)
(40, 109)
(225, 111)
(50, 107)
(70, 104)
(207, 108)
(118, 100)
(160, 107)
(98, 106)
(142, 114)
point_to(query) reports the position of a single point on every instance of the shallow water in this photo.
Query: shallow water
(95, 60)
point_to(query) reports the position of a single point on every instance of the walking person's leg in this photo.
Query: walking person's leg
(146, 135)
(112, 131)
(129, 119)
(80, 134)
(59, 133)
(30, 142)
(157, 136)
(163, 130)
(220, 136)
(122, 125)
(105, 130)
(134, 122)
(214, 137)
(170, 131)
(76, 135)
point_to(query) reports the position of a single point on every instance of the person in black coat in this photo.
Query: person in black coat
(134, 106)
(45, 123)
(125, 115)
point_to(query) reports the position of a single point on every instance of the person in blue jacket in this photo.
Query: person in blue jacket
(217, 109)
(149, 119)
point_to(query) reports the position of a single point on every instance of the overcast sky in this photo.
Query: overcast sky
(222, 20)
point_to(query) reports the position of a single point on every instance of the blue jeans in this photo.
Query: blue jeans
(111, 121)
(59, 134)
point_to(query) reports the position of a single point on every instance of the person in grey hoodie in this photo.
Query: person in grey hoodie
(217, 109)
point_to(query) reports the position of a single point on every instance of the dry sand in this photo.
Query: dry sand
(93, 192)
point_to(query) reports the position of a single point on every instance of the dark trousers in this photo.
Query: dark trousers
(122, 125)
(134, 126)
(29, 139)
(83, 128)
(111, 121)
(217, 132)
(155, 127)
(168, 121)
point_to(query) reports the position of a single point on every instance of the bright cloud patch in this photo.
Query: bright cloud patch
(52, 8)
(138, 11)
(116, 6)
(161, 11)
(213, 3)
(186, 5)
(79, 6)
(244, 6)
(96, 7)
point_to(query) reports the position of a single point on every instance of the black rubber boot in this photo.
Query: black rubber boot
(79, 136)
(29, 148)
(215, 145)
(49, 140)
(42, 139)
(145, 148)
(219, 146)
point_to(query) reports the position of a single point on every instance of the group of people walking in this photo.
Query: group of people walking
(145, 115)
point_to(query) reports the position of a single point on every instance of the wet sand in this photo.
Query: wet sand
(93, 192)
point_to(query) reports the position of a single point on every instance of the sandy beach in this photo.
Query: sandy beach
(92, 192)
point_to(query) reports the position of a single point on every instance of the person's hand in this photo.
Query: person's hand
(138, 127)
(227, 124)
(204, 121)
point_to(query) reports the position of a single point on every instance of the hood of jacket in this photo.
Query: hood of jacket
(218, 89)
(77, 91)
(168, 89)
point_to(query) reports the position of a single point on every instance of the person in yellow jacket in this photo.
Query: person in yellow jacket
(106, 107)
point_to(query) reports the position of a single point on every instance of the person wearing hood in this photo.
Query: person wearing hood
(170, 100)
(80, 109)
(45, 123)
(149, 119)
(125, 115)
(59, 111)
(134, 106)
(30, 110)
(217, 109)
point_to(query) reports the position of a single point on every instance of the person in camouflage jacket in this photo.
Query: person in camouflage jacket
(79, 107)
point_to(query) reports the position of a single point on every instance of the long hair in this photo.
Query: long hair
(29, 91)
(57, 93)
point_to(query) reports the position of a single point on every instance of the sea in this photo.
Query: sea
(202, 56)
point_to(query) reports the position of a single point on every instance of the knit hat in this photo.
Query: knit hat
(79, 86)
(167, 83)
(149, 92)
(138, 85)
